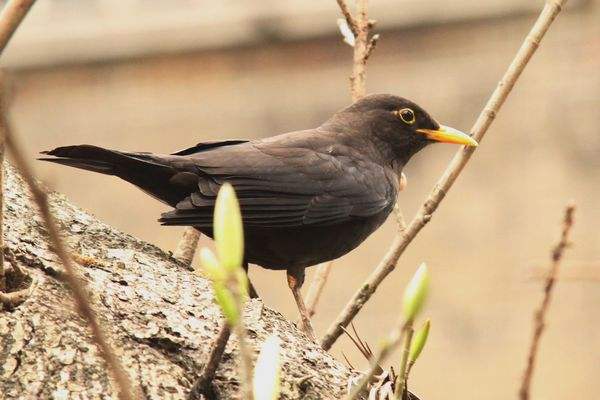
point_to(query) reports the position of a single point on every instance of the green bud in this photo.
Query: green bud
(210, 265)
(418, 342)
(416, 293)
(226, 301)
(266, 382)
(228, 229)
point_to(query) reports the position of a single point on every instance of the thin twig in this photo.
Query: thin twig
(202, 384)
(400, 384)
(361, 27)
(348, 16)
(539, 318)
(371, 46)
(589, 277)
(357, 79)
(245, 356)
(485, 119)
(10, 18)
(382, 355)
(573, 271)
(362, 346)
(400, 220)
(2, 129)
(124, 387)
(363, 47)
(245, 363)
(316, 287)
(186, 248)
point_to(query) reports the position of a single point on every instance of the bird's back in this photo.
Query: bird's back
(305, 198)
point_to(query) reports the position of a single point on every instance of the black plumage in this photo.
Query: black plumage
(306, 197)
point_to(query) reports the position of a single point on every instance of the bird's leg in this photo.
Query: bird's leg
(295, 278)
(251, 290)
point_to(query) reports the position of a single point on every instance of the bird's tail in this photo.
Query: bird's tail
(104, 161)
(152, 173)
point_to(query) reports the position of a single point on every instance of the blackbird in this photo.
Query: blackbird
(306, 197)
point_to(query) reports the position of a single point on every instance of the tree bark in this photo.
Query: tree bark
(158, 315)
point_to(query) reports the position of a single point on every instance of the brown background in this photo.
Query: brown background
(158, 78)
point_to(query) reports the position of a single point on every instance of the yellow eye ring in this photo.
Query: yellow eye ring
(407, 115)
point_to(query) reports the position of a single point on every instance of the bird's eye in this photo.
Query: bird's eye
(407, 115)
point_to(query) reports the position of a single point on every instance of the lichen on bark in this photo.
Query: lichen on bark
(158, 314)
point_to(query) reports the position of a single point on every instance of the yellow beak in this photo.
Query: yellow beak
(448, 135)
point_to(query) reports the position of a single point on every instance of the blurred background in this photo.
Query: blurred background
(161, 76)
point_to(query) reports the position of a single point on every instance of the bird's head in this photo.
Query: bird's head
(398, 126)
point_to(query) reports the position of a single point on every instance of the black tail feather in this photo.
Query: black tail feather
(98, 159)
(89, 165)
(151, 173)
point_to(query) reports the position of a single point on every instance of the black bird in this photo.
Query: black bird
(306, 196)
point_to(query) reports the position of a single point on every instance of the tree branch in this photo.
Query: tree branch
(357, 79)
(187, 245)
(363, 47)
(10, 18)
(316, 287)
(388, 263)
(540, 315)
(371, 46)
(204, 381)
(348, 16)
(2, 135)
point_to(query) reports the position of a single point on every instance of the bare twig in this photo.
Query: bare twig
(540, 315)
(371, 46)
(382, 355)
(363, 47)
(202, 384)
(573, 271)
(357, 79)
(84, 307)
(2, 129)
(400, 220)
(573, 277)
(485, 119)
(364, 44)
(400, 384)
(245, 353)
(348, 16)
(186, 248)
(316, 287)
(361, 345)
(10, 18)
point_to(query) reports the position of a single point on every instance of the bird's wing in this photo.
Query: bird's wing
(284, 186)
(205, 146)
